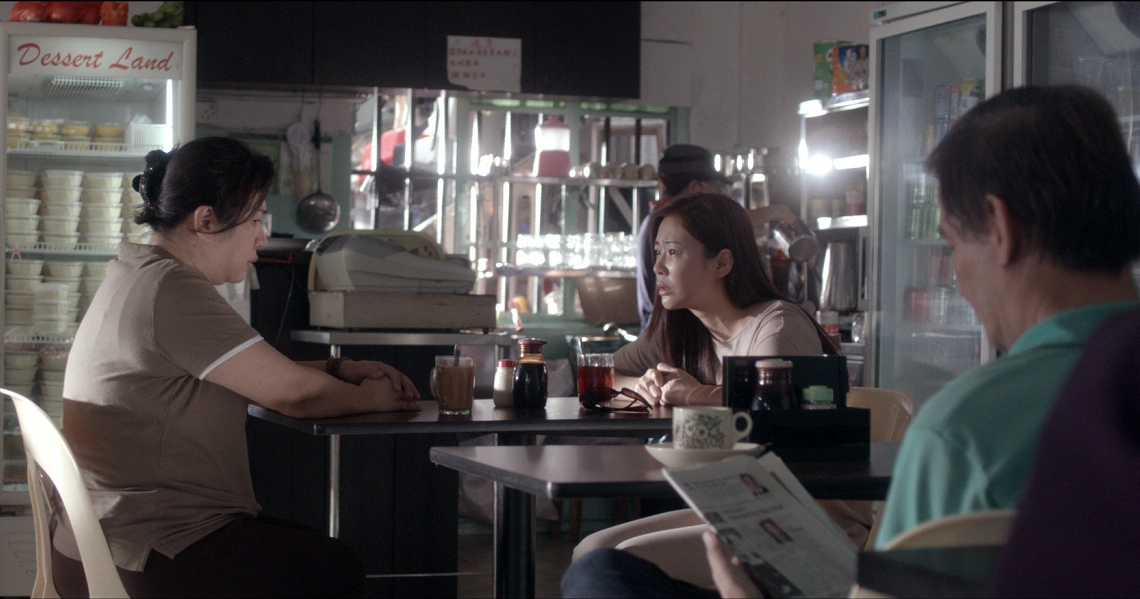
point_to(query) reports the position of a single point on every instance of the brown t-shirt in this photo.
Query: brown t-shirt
(163, 452)
(775, 328)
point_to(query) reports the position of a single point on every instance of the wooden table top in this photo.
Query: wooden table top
(562, 416)
(619, 470)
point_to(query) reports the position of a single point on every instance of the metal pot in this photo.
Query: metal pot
(796, 240)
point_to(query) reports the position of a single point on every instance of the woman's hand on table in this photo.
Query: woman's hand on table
(666, 385)
(358, 371)
(387, 399)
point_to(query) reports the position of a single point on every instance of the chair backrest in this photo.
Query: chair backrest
(891, 411)
(47, 451)
(961, 530)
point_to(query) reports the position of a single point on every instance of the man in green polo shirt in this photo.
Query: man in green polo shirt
(1041, 209)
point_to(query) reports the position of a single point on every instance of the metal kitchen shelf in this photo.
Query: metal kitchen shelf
(38, 339)
(923, 329)
(579, 181)
(855, 221)
(127, 152)
(66, 249)
(835, 103)
(536, 271)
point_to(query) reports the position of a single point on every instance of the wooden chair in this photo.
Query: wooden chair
(47, 451)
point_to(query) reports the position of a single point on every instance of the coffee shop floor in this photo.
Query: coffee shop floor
(476, 554)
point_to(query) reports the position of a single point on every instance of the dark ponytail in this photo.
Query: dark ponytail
(218, 172)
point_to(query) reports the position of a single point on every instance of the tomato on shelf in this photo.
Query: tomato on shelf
(29, 11)
(114, 13)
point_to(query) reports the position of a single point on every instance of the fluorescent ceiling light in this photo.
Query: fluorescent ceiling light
(819, 165)
(850, 162)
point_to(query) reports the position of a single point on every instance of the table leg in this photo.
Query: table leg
(334, 486)
(514, 533)
(334, 471)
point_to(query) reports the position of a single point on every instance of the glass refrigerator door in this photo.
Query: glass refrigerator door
(1096, 44)
(76, 137)
(928, 70)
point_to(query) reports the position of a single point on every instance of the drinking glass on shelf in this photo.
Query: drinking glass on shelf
(530, 250)
(555, 251)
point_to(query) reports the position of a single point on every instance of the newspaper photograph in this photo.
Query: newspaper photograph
(789, 546)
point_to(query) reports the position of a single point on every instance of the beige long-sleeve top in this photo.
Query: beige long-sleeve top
(775, 328)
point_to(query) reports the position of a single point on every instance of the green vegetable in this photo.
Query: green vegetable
(169, 15)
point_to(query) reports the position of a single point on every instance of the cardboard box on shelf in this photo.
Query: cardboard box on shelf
(824, 58)
(850, 70)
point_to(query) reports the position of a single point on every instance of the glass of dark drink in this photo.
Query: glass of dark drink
(595, 371)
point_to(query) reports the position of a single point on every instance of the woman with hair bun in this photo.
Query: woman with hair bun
(155, 394)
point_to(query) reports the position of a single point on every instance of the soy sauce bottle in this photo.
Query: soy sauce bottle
(774, 389)
(530, 376)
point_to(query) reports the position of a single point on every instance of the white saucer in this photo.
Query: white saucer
(682, 458)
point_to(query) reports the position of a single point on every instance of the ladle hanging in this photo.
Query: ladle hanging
(318, 212)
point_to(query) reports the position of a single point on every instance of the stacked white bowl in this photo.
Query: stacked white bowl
(50, 308)
(18, 299)
(53, 362)
(21, 208)
(102, 198)
(20, 369)
(69, 275)
(60, 191)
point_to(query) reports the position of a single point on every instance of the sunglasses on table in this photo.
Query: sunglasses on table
(606, 399)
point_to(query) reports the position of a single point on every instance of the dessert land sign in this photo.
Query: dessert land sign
(484, 63)
(94, 57)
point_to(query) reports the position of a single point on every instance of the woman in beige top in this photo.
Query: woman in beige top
(713, 299)
(158, 380)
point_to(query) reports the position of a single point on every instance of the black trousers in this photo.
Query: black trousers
(250, 557)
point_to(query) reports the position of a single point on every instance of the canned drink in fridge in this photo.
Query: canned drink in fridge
(914, 222)
(940, 299)
(918, 304)
(931, 215)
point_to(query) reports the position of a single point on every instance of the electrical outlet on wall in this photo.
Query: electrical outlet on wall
(207, 112)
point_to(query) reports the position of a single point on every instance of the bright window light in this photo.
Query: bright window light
(819, 165)
(850, 162)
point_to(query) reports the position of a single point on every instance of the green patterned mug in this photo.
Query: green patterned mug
(708, 427)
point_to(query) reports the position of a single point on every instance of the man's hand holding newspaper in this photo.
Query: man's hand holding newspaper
(778, 534)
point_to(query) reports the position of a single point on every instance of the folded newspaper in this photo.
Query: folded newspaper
(789, 546)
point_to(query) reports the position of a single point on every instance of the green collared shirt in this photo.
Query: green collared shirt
(971, 446)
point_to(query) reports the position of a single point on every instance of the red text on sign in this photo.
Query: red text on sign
(31, 53)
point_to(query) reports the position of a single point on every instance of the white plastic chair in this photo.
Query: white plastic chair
(47, 450)
(891, 413)
(978, 529)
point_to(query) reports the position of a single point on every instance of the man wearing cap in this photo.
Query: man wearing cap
(683, 170)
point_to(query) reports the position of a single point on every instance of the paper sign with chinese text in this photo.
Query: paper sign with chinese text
(94, 57)
(484, 63)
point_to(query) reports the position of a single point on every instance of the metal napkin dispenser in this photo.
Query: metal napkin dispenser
(392, 280)
(843, 433)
